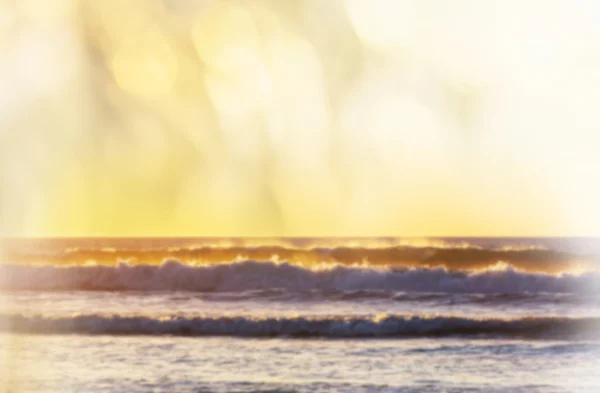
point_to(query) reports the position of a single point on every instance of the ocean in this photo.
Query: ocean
(300, 315)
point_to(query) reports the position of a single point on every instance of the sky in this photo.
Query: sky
(299, 118)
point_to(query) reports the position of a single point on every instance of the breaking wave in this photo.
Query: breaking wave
(542, 255)
(385, 326)
(250, 275)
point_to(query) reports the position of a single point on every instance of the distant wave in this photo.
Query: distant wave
(452, 256)
(386, 326)
(250, 275)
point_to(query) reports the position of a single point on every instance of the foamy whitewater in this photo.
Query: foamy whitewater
(300, 315)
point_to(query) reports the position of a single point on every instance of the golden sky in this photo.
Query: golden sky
(300, 118)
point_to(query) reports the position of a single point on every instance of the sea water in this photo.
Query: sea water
(300, 315)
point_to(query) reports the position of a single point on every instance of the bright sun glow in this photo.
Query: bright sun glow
(254, 118)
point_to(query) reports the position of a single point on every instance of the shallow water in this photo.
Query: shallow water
(152, 364)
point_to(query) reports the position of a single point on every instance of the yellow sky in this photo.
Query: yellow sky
(287, 118)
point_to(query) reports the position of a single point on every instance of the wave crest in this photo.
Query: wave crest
(386, 326)
(251, 275)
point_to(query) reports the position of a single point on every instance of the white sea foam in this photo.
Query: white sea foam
(251, 275)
